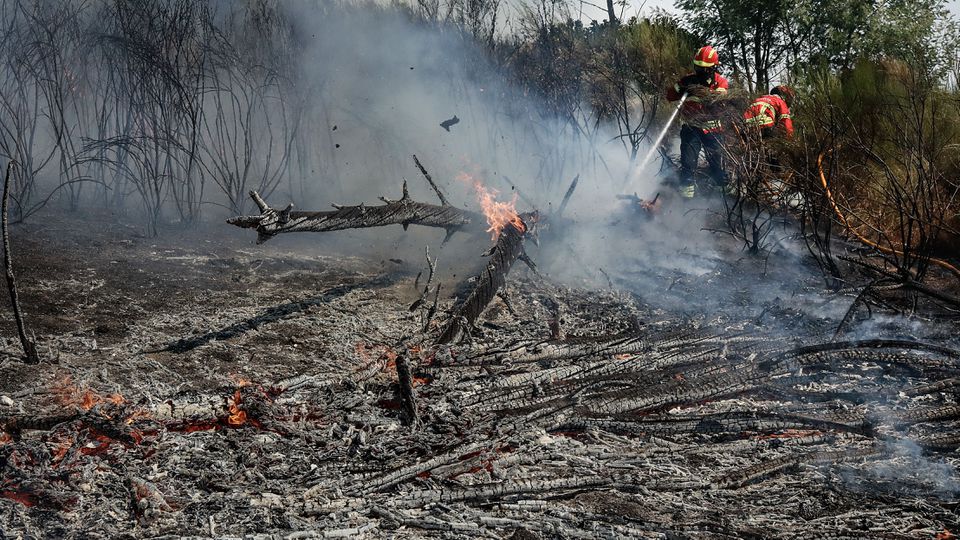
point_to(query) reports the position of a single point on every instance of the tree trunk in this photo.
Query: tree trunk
(29, 347)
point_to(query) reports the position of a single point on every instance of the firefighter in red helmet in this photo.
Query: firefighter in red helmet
(700, 116)
(771, 112)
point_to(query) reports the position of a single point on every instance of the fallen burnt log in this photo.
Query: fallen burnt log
(774, 466)
(634, 341)
(503, 254)
(404, 211)
(726, 424)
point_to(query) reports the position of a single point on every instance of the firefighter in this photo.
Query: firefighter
(768, 121)
(770, 114)
(701, 128)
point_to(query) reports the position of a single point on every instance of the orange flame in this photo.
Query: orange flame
(498, 214)
(238, 416)
(5, 438)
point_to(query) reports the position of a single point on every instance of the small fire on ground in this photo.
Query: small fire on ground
(499, 214)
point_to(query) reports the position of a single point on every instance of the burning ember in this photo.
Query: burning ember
(239, 380)
(238, 416)
(498, 214)
(22, 497)
(84, 397)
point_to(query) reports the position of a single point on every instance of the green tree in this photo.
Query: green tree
(762, 41)
(751, 34)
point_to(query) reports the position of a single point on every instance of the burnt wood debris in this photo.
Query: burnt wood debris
(563, 413)
(507, 249)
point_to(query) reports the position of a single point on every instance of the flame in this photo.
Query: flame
(945, 535)
(498, 214)
(5, 438)
(238, 416)
(624, 356)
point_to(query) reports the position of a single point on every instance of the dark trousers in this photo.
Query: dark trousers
(692, 140)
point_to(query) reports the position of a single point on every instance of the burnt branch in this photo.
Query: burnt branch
(569, 193)
(408, 395)
(404, 211)
(443, 200)
(433, 309)
(432, 266)
(505, 252)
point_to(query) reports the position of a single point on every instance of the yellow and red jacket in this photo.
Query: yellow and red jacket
(767, 112)
(695, 111)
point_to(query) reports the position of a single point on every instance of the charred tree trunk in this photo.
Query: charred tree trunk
(508, 249)
(403, 212)
(408, 395)
(29, 347)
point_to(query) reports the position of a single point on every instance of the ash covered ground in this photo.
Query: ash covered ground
(199, 385)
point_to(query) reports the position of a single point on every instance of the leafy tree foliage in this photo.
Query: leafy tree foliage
(763, 41)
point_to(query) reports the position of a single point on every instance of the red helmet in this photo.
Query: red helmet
(706, 57)
(785, 92)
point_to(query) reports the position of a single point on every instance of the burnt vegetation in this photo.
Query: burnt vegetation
(570, 358)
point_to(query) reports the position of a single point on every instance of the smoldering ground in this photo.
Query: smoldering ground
(301, 314)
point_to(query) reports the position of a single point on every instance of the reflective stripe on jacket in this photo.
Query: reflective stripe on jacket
(769, 111)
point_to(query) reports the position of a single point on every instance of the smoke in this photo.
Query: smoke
(359, 89)
(379, 85)
(904, 470)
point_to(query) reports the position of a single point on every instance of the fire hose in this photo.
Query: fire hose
(843, 220)
(656, 144)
